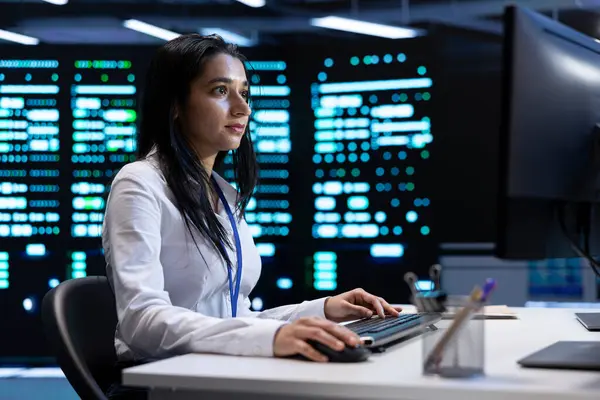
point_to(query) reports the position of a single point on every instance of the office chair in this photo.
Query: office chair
(79, 317)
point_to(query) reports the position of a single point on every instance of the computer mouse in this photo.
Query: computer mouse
(348, 355)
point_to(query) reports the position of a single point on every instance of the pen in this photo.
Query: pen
(490, 284)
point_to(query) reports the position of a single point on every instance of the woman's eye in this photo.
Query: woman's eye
(221, 90)
(245, 94)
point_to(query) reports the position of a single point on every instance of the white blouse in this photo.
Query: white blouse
(171, 298)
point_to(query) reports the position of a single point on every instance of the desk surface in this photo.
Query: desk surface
(395, 373)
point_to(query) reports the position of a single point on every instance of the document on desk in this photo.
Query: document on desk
(491, 312)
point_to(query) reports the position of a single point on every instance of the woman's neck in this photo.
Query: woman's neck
(208, 162)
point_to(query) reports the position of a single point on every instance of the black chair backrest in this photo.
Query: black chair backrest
(80, 318)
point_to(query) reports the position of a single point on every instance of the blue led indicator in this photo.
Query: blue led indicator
(284, 283)
(387, 250)
(411, 216)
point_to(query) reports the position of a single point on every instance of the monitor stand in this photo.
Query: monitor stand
(591, 321)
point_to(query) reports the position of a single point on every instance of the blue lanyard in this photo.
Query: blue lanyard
(238, 248)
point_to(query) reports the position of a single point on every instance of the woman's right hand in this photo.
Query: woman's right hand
(291, 338)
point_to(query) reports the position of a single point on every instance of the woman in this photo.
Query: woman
(174, 235)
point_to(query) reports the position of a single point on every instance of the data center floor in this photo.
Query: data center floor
(35, 384)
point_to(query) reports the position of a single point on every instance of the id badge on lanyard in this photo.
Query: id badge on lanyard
(233, 292)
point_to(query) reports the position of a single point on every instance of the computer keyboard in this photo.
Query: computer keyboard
(377, 332)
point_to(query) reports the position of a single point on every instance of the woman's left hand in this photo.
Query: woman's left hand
(357, 304)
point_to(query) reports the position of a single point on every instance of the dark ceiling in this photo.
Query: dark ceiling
(101, 21)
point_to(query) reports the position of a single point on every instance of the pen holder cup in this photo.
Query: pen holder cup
(457, 348)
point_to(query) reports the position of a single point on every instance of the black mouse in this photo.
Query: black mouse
(348, 355)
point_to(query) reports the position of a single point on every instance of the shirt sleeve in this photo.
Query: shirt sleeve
(289, 313)
(149, 324)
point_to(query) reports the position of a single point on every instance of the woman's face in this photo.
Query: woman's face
(216, 113)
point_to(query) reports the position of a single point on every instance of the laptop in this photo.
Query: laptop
(566, 355)
(591, 321)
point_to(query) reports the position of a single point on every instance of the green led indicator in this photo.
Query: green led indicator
(354, 61)
(119, 116)
(122, 103)
(410, 186)
(426, 96)
(424, 154)
(131, 116)
(403, 97)
(103, 64)
(131, 77)
(54, 77)
(421, 70)
(83, 64)
(425, 230)
(112, 147)
(104, 78)
(410, 170)
(367, 60)
(91, 203)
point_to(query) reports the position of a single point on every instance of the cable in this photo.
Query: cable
(587, 226)
(576, 248)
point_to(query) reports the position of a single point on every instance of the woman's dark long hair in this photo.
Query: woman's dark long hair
(168, 83)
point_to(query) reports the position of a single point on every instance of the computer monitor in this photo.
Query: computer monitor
(549, 195)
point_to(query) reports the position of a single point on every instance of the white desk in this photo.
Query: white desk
(395, 374)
